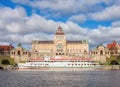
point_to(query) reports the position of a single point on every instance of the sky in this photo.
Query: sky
(22, 21)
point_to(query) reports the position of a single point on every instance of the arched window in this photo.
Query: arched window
(59, 53)
(59, 47)
(85, 51)
(96, 52)
(18, 52)
(101, 52)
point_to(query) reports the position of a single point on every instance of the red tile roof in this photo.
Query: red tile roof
(109, 46)
(6, 47)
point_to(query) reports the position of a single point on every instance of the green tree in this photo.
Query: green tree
(5, 62)
(114, 62)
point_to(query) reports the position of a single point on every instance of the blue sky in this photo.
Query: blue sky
(22, 21)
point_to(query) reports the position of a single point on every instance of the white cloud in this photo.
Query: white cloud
(21, 1)
(24, 29)
(64, 6)
(109, 13)
(10, 19)
(13, 27)
(100, 10)
(116, 24)
(78, 18)
(8, 13)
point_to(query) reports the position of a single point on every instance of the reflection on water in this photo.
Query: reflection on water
(59, 79)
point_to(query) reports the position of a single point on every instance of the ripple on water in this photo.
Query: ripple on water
(60, 79)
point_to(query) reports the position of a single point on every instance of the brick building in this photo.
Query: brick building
(100, 53)
(19, 54)
(114, 48)
(5, 49)
(60, 47)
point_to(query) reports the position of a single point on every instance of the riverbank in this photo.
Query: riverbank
(9, 67)
(111, 67)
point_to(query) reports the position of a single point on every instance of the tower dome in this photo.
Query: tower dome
(59, 31)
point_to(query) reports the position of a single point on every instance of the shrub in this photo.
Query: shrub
(5, 62)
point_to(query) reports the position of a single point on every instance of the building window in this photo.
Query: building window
(101, 52)
(105, 52)
(96, 52)
(18, 52)
(111, 52)
(85, 51)
(11, 52)
(66, 53)
(59, 53)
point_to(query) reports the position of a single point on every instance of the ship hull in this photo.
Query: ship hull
(58, 65)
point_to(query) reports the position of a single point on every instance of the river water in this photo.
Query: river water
(99, 78)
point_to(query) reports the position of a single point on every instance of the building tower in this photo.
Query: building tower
(59, 43)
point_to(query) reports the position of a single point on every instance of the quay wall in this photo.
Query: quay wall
(111, 67)
(103, 67)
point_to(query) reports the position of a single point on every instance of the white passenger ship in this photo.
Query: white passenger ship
(48, 63)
